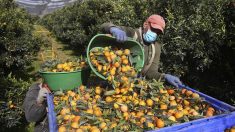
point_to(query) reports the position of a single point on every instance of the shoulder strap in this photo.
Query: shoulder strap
(148, 64)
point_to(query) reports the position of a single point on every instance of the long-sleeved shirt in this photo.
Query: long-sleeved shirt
(136, 34)
(35, 112)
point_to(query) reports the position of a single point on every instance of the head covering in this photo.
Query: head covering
(155, 21)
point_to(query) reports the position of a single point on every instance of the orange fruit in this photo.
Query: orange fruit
(195, 95)
(102, 125)
(119, 100)
(160, 123)
(172, 98)
(142, 119)
(123, 91)
(109, 59)
(183, 90)
(173, 103)
(74, 125)
(89, 111)
(82, 88)
(107, 54)
(99, 68)
(97, 112)
(98, 90)
(211, 109)
(97, 97)
(142, 103)
(123, 57)
(108, 99)
(76, 118)
(124, 108)
(163, 106)
(94, 129)
(65, 111)
(162, 91)
(136, 102)
(79, 130)
(189, 93)
(185, 111)
(123, 78)
(126, 51)
(66, 117)
(73, 103)
(133, 114)
(112, 72)
(62, 129)
(139, 114)
(170, 91)
(186, 102)
(116, 64)
(126, 115)
(180, 107)
(150, 125)
(179, 114)
(104, 68)
(172, 118)
(86, 96)
(117, 91)
(115, 105)
(209, 113)
(113, 125)
(59, 66)
(119, 52)
(113, 57)
(125, 61)
(135, 94)
(149, 102)
(150, 113)
(110, 78)
(124, 69)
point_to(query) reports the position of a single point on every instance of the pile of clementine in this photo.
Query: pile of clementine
(134, 104)
(63, 66)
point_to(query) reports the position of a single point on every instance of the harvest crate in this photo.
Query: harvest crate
(217, 123)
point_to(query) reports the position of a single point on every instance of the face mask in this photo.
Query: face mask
(150, 36)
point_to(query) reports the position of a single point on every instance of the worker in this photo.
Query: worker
(148, 36)
(35, 107)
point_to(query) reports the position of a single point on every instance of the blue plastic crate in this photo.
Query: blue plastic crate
(216, 123)
(209, 124)
(51, 114)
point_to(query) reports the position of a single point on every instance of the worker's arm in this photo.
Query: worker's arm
(34, 111)
(105, 28)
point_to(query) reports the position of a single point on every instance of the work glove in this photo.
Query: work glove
(173, 80)
(42, 94)
(119, 34)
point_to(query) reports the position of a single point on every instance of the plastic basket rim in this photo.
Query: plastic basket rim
(91, 65)
(41, 72)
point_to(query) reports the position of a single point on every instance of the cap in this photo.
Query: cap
(157, 22)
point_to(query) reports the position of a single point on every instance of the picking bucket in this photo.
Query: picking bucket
(65, 80)
(103, 40)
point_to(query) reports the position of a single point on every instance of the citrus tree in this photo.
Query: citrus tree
(17, 48)
(197, 35)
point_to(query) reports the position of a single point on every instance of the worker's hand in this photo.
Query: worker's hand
(42, 94)
(173, 80)
(119, 34)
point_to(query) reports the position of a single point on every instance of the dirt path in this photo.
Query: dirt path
(51, 48)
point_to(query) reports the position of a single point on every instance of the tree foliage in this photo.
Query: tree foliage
(17, 48)
(194, 35)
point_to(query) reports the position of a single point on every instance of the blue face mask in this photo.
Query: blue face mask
(150, 36)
